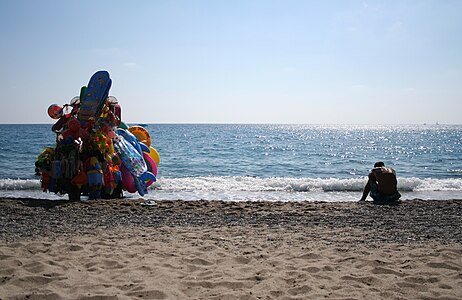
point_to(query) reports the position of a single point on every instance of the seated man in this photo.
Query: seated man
(382, 185)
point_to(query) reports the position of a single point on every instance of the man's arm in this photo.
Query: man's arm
(366, 191)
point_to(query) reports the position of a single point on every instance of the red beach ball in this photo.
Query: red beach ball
(55, 111)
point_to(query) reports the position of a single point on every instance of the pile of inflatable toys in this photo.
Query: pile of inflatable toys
(96, 154)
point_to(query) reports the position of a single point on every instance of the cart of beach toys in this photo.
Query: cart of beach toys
(96, 154)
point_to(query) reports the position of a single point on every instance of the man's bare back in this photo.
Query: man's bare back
(382, 184)
(386, 180)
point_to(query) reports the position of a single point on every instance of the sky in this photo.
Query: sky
(252, 61)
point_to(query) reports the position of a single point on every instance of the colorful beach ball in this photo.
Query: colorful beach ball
(55, 111)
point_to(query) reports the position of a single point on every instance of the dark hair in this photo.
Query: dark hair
(379, 164)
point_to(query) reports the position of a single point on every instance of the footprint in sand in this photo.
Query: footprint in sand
(112, 264)
(242, 260)
(150, 294)
(199, 261)
(367, 280)
(232, 285)
(313, 270)
(382, 271)
(4, 257)
(7, 264)
(26, 282)
(443, 266)
(412, 286)
(75, 248)
(35, 267)
(301, 290)
(42, 296)
(421, 279)
(310, 256)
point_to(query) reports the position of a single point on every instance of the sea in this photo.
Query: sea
(265, 162)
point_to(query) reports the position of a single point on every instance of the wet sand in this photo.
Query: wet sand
(131, 249)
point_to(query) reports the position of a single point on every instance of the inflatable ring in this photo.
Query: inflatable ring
(154, 155)
(152, 167)
(142, 135)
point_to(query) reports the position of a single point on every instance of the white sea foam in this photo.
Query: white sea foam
(272, 184)
(253, 188)
(281, 184)
(19, 184)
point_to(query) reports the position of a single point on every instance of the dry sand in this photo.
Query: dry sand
(120, 249)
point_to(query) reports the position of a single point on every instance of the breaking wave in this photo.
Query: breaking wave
(272, 184)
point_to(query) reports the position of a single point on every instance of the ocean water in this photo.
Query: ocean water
(267, 162)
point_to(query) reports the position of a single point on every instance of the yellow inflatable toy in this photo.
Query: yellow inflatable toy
(142, 135)
(154, 155)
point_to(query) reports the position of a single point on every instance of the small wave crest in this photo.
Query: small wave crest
(19, 184)
(273, 184)
(281, 184)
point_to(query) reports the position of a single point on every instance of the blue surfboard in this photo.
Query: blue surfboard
(95, 96)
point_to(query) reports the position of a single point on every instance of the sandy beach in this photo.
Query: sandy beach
(120, 249)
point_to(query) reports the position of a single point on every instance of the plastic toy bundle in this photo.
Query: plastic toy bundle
(96, 154)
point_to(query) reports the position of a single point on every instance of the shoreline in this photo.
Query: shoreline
(119, 249)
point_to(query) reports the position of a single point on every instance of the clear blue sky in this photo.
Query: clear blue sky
(240, 61)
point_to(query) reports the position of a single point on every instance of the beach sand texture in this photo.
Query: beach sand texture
(119, 249)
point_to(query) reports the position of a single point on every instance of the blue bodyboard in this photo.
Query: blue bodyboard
(95, 96)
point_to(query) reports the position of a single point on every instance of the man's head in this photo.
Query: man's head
(379, 164)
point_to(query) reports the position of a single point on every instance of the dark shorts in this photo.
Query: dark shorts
(378, 197)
